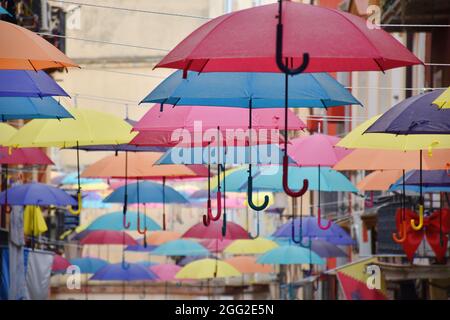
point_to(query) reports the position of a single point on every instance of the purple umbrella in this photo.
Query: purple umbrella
(430, 178)
(335, 234)
(38, 194)
(140, 248)
(415, 115)
(124, 272)
(326, 249)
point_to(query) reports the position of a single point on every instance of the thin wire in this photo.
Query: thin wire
(123, 72)
(131, 10)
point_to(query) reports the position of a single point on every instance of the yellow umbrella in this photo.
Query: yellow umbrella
(247, 264)
(88, 127)
(6, 132)
(443, 100)
(250, 246)
(33, 221)
(357, 139)
(207, 269)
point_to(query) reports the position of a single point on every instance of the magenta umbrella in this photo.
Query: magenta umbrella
(60, 264)
(24, 156)
(108, 237)
(165, 271)
(215, 245)
(214, 231)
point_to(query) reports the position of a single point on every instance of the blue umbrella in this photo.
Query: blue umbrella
(38, 194)
(180, 247)
(114, 221)
(25, 83)
(4, 11)
(321, 247)
(415, 115)
(140, 248)
(146, 264)
(72, 178)
(93, 200)
(290, 254)
(416, 188)
(31, 108)
(88, 265)
(430, 178)
(147, 192)
(124, 272)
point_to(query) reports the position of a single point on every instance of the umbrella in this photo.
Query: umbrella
(72, 178)
(290, 254)
(4, 11)
(94, 200)
(60, 264)
(335, 234)
(180, 247)
(188, 259)
(166, 271)
(214, 231)
(88, 264)
(215, 245)
(108, 237)
(146, 264)
(430, 178)
(443, 100)
(207, 269)
(326, 249)
(37, 194)
(26, 50)
(140, 248)
(31, 108)
(252, 246)
(6, 132)
(24, 83)
(117, 272)
(415, 115)
(379, 180)
(33, 221)
(24, 156)
(157, 238)
(416, 188)
(113, 221)
(246, 264)
(220, 45)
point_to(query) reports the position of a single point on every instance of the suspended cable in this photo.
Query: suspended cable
(123, 72)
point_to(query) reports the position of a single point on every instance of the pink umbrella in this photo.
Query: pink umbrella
(214, 231)
(166, 271)
(108, 237)
(60, 263)
(215, 245)
(24, 156)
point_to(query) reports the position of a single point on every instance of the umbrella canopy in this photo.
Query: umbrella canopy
(28, 51)
(207, 269)
(415, 115)
(88, 264)
(23, 83)
(140, 248)
(246, 264)
(114, 221)
(6, 132)
(72, 178)
(118, 272)
(290, 254)
(157, 238)
(373, 159)
(165, 271)
(31, 108)
(146, 192)
(188, 259)
(261, 90)
(24, 156)
(108, 237)
(316, 150)
(140, 165)
(443, 100)
(33, 221)
(60, 264)
(379, 180)
(430, 178)
(38, 194)
(356, 139)
(4, 11)
(251, 246)
(244, 41)
(180, 247)
(88, 127)
(323, 248)
(335, 234)
(146, 264)
(215, 245)
(214, 231)
(330, 180)
(416, 189)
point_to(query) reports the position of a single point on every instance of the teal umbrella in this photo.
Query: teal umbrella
(290, 254)
(180, 247)
(88, 264)
(114, 221)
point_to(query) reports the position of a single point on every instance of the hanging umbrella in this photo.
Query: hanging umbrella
(117, 272)
(214, 231)
(157, 238)
(415, 115)
(207, 269)
(290, 254)
(443, 100)
(379, 180)
(31, 108)
(24, 156)
(6, 132)
(108, 237)
(4, 11)
(37, 194)
(113, 221)
(335, 234)
(246, 264)
(188, 259)
(88, 264)
(165, 271)
(326, 250)
(60, 264)
(180, 247)
(430, 178)
(252, 246)
(416, 188)
(146, 264)
(215, 245)
(26, 50)
(33, 221)
(140, 248)
(23, 83)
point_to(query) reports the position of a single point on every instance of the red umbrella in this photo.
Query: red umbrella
(24, 156)
(59, 263)
(214, 231)
(275, 38)
(215, 245)
(108, 237)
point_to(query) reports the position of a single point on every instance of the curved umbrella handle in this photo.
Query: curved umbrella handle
(206, 217)
(139, 225)
(319, 221)
(257, 228)
(420, 225)
(79, 199)
(219, 208)
(288, 191)
(401, 237)
(250, 197)
(300, 241)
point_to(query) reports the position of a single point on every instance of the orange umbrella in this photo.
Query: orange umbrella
(159, 237)
(379, 180)
(247, 264)
(22, 49)
(373, 159)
